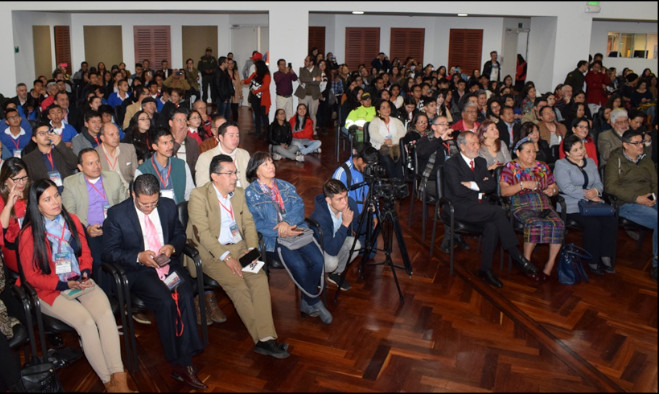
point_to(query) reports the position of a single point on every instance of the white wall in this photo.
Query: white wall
(598, 42)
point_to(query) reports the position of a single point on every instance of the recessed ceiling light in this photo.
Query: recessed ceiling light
(358, 12)
(463, 14)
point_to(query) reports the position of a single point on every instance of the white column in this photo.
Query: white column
(289, 39)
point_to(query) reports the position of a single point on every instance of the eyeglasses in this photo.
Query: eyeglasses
(229, 173)
(440, 124)
(147, 205)
(20, 180)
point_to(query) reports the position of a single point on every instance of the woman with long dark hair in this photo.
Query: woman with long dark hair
(302, 127)
(14, 186)
(259, 95)
(139, 133)
(55, 257)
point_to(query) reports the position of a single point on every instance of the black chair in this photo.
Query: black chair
(409, 162)
(24, 334)
(426, 199)
(340, 135)
(445, 210)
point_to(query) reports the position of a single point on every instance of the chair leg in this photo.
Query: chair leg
(424, 215)
(409, 220)
(434, 229)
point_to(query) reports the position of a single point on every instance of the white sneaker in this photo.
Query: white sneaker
(276, 156)
(318, 150)
(299, 158)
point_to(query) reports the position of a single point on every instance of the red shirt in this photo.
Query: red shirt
(306, 132)
(12, 233)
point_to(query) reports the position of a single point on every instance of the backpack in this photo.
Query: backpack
(570, 267)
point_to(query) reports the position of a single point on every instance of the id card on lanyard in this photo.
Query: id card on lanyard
(62, 259)
(233, 227)
(17, 144)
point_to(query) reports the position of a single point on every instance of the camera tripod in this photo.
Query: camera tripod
(387, 223)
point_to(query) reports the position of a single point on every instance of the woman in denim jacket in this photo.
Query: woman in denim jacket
(278, 211)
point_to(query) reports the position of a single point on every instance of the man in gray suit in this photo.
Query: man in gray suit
(308, 92)
(117, 156)
(89, 194)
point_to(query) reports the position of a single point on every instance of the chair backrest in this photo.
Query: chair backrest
(367, 137)
(183, 213)
(439, 182)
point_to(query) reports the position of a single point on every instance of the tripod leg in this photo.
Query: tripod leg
(401, 245)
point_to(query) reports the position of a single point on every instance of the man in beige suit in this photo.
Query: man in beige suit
(221, 227)
(308, 92)
(117, 157)
(89, 194)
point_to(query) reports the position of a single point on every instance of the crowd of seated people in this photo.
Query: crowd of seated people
(155, 126)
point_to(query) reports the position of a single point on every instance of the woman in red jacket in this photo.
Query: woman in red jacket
(55, 257)
(14, 185)
(259, 96)
(302, 127)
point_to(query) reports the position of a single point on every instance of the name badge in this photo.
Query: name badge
(17, 153)
(168, 193)
(105, 210)
(55, 177)
(235, 233)
(62, 263)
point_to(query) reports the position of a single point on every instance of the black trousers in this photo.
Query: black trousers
(496, 227)
(144, 283)
(599, 235)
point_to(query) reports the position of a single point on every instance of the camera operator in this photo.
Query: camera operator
(177, 80)
(432, 150)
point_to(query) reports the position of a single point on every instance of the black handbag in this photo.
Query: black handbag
(40, 377)
(594, 208)
(570, 267)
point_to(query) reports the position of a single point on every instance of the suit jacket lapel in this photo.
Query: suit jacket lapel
(135, 222)
(214, 216)
(163, 223)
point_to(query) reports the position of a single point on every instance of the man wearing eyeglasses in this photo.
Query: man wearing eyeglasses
(611, 139)
(138, 231)
(223, 229)
(632, 178)
(52, 158)
(228, 138)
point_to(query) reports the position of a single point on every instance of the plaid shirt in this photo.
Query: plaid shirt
(337, 87)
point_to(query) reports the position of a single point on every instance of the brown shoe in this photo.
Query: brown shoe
(198, 312)
(216, 313)
(188, 375)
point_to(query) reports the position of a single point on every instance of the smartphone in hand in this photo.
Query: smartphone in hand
(249, 257)
(162, 260)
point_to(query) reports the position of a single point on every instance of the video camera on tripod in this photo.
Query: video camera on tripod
(383, 187)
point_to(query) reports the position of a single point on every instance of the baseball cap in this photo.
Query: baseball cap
(257, 56)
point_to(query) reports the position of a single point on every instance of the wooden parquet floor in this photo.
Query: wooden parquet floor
(452, 333)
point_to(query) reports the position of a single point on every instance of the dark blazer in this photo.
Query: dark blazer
(122, 235)
(505, 137)
(464, 199)
(63, 157)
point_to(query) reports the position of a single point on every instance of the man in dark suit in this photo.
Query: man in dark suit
(52, 158)
(467, 179)
(509, 130)
(137, 231)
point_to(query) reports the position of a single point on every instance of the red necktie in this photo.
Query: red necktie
(471, 164)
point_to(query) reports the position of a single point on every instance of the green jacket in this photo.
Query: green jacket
(207, 65)
(358, 117)
(627, 180)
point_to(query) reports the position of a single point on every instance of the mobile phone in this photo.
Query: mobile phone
(652, 197)
(162, 260)
(249, 257)
(289, 65)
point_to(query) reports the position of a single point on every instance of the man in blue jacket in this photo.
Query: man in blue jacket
(337, 215)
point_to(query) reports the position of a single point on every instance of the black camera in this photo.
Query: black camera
(383, 187)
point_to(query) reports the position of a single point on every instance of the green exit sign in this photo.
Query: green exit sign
(593, 3)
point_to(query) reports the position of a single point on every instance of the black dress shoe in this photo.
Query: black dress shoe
(276, 264)
(445, 246)
(595, 269)
(271, 348)
(461, 243)
(489, 277)
(524, 265)
(188, 375)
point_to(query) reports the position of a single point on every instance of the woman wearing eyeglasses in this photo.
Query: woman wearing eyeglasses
(581, 128)
(14, 185)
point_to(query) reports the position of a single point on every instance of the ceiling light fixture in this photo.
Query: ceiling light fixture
(358, 12)
(463, 14)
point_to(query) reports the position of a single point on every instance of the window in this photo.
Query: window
(465, 49)
(153, 43)
(63, 47)
(317, 38)
(640, 45)
(362, 46)
(407, 42)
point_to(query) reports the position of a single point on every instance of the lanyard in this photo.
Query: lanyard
(229, 210)
(112, 165)
(102, 194)
(169, 169)
(16, 141)
(49, 156)
(60, 238)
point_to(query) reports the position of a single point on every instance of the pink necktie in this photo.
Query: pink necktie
(151, 235)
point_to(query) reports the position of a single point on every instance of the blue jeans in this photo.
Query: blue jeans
(224, 108)
(306, 146)
(646, 217)
(306, 266)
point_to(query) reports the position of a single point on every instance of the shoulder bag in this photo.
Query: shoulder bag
(570, 267)
(594, 208)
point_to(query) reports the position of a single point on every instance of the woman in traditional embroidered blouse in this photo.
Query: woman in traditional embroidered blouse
(530, 184)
